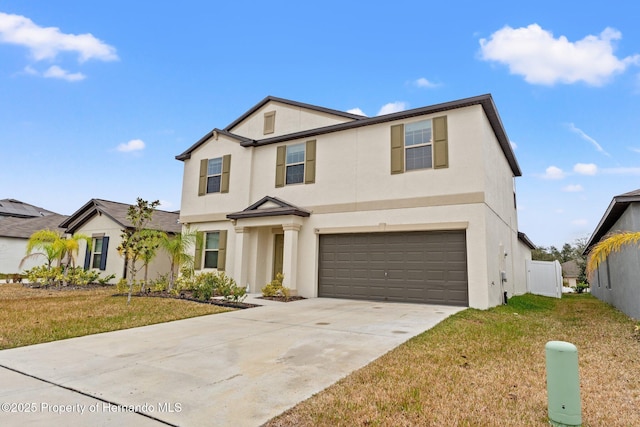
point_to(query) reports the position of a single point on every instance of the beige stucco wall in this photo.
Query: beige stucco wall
(355, 191)
(99, 224)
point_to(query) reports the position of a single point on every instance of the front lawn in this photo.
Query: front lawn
(487, 368)
(31, 316)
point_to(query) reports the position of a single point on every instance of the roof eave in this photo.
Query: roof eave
(486, 101)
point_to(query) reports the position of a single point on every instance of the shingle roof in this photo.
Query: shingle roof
(295, 104)
(161, 220)
(615, 210)
(275, 207)
(486, 101)
(16, 208)
(24, 227)
(570, 268)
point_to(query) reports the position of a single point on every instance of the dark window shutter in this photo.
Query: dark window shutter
(197, 258)
(281, 157)
(440, 143)
(202, 184)
(226, 166)
(397, 149)
(222, 249)
(87, 256)
(310, 162)
(103, 258)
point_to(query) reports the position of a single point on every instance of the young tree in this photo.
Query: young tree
(151, 240)
(134, 241)
(612, 243)
(178, 248)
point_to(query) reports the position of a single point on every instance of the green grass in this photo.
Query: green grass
(32, 316)
(487, 368)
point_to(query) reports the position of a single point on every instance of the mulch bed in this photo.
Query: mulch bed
(283, 299)
(184, 295)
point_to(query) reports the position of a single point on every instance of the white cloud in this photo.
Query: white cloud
(422, 82)
(573, 188)
(48, 42)
(553, 172)
(581, 222)
(541, 58)
(392, 107)
(634, 149)
(513, 145)
(585, 168)
(586, 137)
(58, 73)
(356, 111)
(133, 145)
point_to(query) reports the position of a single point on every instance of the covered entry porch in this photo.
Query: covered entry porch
(267, 236)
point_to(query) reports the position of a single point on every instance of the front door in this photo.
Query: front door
(278, 254)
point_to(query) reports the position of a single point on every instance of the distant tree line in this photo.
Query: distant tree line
(568, 252)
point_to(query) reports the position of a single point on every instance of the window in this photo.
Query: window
(97, 253)
(211, 248)
(420, 145)
(214, 175)
(214, 248)
(269, 122)
(418, 148)
(295, 164)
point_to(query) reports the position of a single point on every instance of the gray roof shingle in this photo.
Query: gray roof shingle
(161, 220)
(23, 228)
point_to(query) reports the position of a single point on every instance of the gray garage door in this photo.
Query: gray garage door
(425, 267)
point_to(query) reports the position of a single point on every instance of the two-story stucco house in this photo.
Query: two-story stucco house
(415, 206)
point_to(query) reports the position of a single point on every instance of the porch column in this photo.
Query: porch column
(290, 262)
(240, 260)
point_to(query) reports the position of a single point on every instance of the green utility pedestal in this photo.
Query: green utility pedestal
(563, 384)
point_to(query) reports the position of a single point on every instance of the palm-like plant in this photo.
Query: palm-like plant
(178, 248)
(612, 243)
(46, 241)
(54, 246)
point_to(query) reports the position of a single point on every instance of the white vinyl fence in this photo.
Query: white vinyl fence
(544, 278)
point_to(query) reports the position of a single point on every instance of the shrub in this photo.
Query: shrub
(276, 289)
(204, 285)
(160, 284)
(226, 287)
(122, 286)
(105, 280)
(581, 287)
(43, 275)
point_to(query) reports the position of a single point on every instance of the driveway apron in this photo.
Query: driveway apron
(239, 368)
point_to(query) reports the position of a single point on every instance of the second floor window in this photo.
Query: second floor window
(295, 164)
(214, 175)
(418, 147)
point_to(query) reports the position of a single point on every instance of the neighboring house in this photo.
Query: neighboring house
(414, 206)
(570, 273)
(14, 234)
(11, 208)
(103, 221)
(616, 280)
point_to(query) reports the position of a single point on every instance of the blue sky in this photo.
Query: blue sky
(97, 98)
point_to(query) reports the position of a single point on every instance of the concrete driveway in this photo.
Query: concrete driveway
(240, 368)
